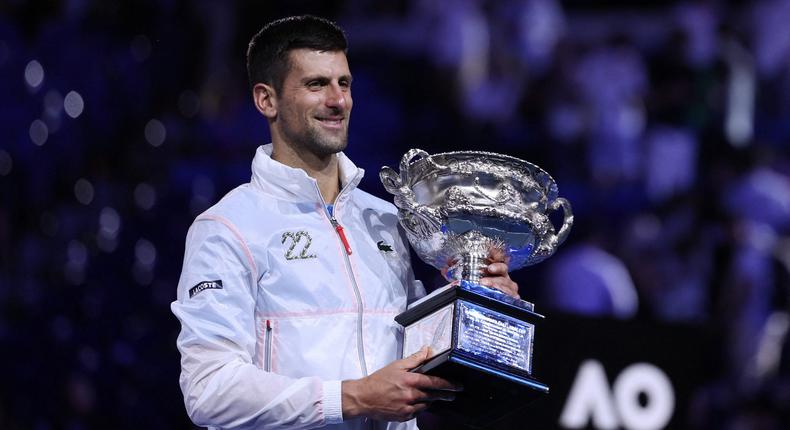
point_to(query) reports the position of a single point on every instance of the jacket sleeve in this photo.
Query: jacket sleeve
(222, 386)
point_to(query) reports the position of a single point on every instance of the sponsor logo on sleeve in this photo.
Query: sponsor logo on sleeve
(205, 285)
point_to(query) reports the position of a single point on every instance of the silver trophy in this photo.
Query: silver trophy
(461, 211)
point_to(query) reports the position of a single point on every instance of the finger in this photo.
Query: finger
(430, 382)
(428, 396)
(439, 395)
(496, 269)
(408, 412)
(417, 397)
(502, 284)
(416, 359)
(497, 255)
(498, 282)
(419, 407)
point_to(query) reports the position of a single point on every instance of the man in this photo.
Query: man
(290, 283)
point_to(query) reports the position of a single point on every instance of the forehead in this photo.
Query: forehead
(308, 62)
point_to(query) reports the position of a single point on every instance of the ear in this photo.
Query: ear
(265, 100)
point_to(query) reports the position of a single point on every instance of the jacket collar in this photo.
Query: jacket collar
(288, 183)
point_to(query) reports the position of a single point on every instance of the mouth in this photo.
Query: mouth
(334, 122)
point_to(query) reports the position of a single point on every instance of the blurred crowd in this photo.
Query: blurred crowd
(666, 124)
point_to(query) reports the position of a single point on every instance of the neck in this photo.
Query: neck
(324, 169)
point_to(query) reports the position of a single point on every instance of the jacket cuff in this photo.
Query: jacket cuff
(333, 408)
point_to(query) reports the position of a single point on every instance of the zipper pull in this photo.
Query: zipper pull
(342, 234)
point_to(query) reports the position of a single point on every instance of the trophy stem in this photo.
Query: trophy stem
(467, 267)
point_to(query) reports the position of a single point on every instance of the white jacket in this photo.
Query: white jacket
(292, 314)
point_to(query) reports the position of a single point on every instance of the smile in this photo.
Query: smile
(331, 122)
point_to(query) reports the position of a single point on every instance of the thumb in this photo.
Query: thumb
(417, 358)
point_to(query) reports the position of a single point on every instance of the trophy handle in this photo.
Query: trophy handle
(390, 179)
(396, 183)
(550, 243)
(567, 221)
(419, 220)
(407, 159)
(413, 155)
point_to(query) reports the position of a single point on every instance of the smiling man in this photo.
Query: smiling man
(291, 282)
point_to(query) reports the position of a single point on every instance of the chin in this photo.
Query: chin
(328, 148)
(322, 144)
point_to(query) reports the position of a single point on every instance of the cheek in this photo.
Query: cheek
(303, 104)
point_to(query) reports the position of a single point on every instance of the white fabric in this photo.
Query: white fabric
(269, 348)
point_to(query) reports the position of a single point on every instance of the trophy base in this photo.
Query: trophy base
(483, 340)
(489, 393)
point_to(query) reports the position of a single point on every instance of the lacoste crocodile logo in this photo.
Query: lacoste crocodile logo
(384, 247)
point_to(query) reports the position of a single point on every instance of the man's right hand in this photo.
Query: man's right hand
(393, 393)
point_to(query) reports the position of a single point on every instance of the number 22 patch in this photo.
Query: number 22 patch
(300, 242)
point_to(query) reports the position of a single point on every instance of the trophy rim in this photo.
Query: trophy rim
(536, 172)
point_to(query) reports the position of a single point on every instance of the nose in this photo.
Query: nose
(338, 97)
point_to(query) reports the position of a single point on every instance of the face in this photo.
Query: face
(314, 105)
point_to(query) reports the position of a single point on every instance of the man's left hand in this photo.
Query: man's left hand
(495, 275)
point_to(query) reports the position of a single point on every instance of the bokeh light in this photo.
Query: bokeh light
(144, 196)
(155, 132)
(34, 74)
(83, 191)
(73, 104)
(39, 132)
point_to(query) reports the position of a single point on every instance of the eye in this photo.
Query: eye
(314, 85)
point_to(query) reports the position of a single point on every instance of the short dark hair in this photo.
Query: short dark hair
(267, 54)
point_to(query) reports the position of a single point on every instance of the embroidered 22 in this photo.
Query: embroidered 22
(297, 237)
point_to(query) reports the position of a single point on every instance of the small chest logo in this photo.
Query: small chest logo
(205, 285)
(384, 247)
(299, 248)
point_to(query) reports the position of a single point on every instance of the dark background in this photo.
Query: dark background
(664, 123)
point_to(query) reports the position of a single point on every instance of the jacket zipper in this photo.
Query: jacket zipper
(267, 363)
(342, 235)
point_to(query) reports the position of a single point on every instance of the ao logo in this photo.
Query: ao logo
(590, 397)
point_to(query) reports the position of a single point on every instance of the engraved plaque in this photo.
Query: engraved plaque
(494, 337)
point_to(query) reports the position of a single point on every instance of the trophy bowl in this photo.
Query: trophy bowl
(459, 206)
(463, 210)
